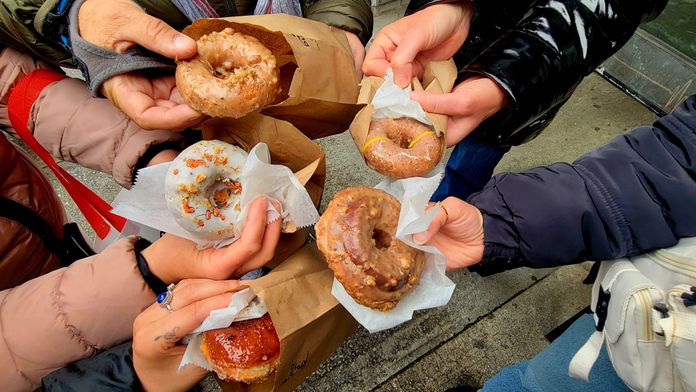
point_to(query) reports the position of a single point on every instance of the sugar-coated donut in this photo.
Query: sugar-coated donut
(356, 233)
(246, 351)
(402, 147)
(202, 188)
(232, 75)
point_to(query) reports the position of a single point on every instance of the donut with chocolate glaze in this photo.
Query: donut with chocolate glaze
(402, 147)
(246, 351)
(357, 234)
(232, 74)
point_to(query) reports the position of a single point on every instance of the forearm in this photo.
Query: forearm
(76, 311)
(632, 195)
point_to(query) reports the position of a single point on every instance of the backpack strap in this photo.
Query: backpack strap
(607, 273)
(20, 102)
(583, 361)
(26, 217)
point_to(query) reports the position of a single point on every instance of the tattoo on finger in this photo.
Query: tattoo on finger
(169, 336)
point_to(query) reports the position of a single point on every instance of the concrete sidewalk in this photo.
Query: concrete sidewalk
(490, 322)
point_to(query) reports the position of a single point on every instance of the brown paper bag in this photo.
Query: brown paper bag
(438, 77)
(317, 76)
(288, 147)
(309, 321)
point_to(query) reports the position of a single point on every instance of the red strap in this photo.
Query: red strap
(19, 105)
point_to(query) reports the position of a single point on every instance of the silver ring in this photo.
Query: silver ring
(165, 299)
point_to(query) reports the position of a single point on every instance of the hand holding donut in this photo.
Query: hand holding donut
(468, 105)
(409, 44)
(457, 231)
(157, 332)
(172, 258)
(152, 103)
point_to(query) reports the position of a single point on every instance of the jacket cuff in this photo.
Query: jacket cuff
(497, 258)
(98, 64)
(350, 15)
(501, 239)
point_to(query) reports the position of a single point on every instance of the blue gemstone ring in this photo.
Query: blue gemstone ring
(165, 299)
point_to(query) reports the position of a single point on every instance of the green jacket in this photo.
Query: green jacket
(36, 25)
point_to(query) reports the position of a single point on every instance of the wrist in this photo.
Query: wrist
(156, 284)
(160, 264)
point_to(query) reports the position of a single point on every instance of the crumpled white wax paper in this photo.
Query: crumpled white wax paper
(434, 288)
(145, 202)
(392, 101)
(245, 305)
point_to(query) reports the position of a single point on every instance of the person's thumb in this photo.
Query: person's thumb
(439, 221)
(412, 43)
(157, 36)
(436, 103)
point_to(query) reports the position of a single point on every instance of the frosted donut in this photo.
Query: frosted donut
(357, 234)
(246, 351)
(232, 75)
(402, 147)
(202, 188)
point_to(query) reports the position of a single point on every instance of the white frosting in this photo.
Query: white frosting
(203, 188)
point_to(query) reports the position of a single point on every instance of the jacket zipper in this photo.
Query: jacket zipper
(646, 304)
(674, 262)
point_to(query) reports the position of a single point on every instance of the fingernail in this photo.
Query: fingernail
(419, 238)
(182, 41)
(275, 204)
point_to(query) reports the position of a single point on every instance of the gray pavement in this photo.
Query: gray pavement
(490, 322)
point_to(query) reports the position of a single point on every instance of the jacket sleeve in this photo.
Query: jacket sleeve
(32, 26)
(110, 370)
(634, 194)
(69, 314)
(540, 61)
(74, 126)
(350, 15)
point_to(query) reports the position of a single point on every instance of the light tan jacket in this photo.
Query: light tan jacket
(74, 126)
(69, 314)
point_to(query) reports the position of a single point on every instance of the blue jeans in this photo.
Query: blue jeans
(469, 167)
(548, 371)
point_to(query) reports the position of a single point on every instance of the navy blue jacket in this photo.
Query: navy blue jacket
(635, 194)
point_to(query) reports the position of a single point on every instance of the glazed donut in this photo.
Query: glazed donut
(246, 351)
(232, 75)
(202, 188)
(402, 147)
(356, 233)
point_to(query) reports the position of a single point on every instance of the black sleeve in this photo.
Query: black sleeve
(110, 370)
(634, 194)
(541, 60)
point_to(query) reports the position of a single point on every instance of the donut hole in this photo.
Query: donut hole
(381, 239)
(223, 192)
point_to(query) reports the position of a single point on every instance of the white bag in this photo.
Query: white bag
(642, 318)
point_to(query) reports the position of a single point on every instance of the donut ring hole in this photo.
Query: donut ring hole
(381, 239)
(223, 192)
(232, 74)
(402, 148)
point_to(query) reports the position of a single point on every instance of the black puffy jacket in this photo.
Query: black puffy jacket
(539, 52)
